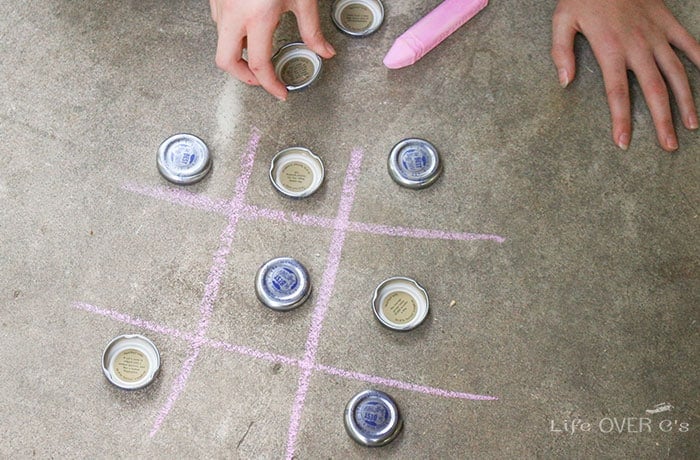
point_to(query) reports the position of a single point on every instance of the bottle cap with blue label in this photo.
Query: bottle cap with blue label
(282, 284)
(372, 418)
(183, 159)
(414, 163)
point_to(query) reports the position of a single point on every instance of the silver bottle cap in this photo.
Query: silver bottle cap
(372, 418)
(282, 284)
(130, 361)
(400, 303)
(358, 18)
(296, 172)
(414, 163)
(297, 66)
(183, 159)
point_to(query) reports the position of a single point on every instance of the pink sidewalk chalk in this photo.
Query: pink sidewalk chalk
(431, 30)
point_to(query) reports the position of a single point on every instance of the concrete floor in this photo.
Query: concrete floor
(587, 309)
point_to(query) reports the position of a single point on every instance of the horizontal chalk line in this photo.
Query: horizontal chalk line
(251, 212)
(274, 358)
(401, 384)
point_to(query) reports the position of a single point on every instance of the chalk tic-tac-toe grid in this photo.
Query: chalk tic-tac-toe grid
(236, 209)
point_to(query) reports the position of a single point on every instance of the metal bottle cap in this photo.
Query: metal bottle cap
(400, 303)
(130, 361)
(358, 18)
(372, 418)
(296, 172)
(414, 163)
(297, 66)
(282, 284)
(183, 159)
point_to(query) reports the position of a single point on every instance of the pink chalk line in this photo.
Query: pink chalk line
(251, 212)
(274, 358)
(211, 290)
(246, 351)
(254, 213)
(324, 296)
(401, 385)
(379, 229)
(136, 322)
(191, 338)
(179, 196)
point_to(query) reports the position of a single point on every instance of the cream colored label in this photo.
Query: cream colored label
(131, 365)
(297, 71)
(399, 307)
(296, 176)
(356, 18)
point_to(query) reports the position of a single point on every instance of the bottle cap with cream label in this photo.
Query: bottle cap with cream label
(296, 172)
(400, 303)
(130, 361)
(358, 18)
(297, 66)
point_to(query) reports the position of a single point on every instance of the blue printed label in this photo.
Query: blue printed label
(281, 281)
(415, 162)
(372, 416)
(184, 155)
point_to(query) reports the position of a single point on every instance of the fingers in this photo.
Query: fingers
(214, 12)
(229, 53)
(234, 35)
(681, 39)
(259, 59)
(657, 98)
(239, 23)
(563, 34)
(637, 35)
(310, 28)
(672, 68)
(675, 72)
(614, 68)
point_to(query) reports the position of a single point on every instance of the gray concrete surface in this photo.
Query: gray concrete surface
(588, 310)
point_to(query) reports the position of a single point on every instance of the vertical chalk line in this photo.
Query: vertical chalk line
(324, 296)
(213, 283)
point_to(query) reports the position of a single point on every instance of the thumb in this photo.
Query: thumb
(563, 34)
(310, 29)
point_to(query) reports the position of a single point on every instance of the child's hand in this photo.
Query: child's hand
(637, 35)
(250, 24)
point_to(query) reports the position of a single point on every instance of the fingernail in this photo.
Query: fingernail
(563, 78)
(671, 142)
(692, 121)
(623, 141)
(330, 49)
(281, 97)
